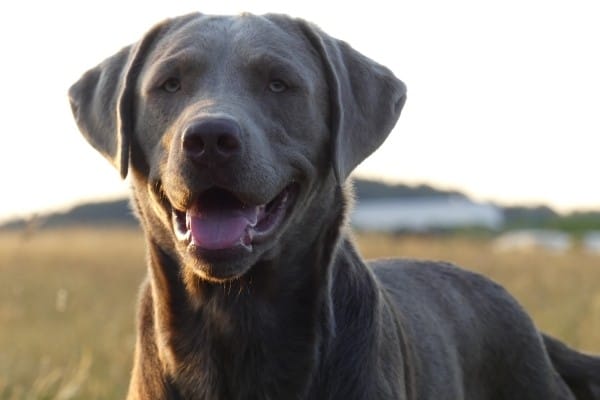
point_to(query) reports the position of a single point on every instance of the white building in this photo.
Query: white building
(528, 239)
(424, 214)
(591, 242)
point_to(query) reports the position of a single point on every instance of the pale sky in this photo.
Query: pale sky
(504, 97)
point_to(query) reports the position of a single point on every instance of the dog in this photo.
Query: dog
(238, 134)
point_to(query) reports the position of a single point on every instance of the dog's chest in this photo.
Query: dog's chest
(248, 356)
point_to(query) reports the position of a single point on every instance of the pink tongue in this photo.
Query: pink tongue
(221, 229)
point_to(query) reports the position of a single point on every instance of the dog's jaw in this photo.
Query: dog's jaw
(218, 231)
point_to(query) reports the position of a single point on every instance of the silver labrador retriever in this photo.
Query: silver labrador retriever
(238, 134)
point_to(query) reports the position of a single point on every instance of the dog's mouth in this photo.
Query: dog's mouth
(218, 220)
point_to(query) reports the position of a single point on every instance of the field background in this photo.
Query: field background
(67, 301)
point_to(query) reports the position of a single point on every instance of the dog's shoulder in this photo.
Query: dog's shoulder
(437, 276)
(467, 320)
(405, 273)
(455, 300)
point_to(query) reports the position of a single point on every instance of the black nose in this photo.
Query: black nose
(212, 140)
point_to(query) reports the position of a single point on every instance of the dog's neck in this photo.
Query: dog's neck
(261, 336)
(238, 342)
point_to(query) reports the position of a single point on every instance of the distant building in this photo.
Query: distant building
(424, 214)
(591, 242)
(528, 239)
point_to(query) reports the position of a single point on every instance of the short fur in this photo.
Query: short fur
(301, 315)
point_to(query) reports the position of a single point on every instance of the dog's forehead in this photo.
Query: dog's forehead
(243, 35)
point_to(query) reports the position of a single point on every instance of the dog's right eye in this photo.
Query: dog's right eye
(171, 85)
(277, 86)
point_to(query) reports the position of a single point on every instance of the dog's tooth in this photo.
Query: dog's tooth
(253, 220)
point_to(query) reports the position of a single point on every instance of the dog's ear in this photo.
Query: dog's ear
(365, 100)
(102, 100)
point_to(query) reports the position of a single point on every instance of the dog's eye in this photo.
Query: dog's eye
(171, 85)
(277, 86)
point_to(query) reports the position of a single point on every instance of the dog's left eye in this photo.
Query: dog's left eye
(277, 86)
(171, 85)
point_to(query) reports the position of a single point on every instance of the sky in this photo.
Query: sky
(503, 97)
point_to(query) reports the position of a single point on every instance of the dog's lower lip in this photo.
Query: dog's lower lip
(205, 229)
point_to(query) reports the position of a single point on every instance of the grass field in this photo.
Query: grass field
(67, 301)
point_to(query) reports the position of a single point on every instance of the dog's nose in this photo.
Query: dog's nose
(212, 140)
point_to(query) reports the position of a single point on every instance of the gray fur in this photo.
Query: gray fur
(300, 315)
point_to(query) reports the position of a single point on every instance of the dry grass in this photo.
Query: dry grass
(67, 301)
(67, 304)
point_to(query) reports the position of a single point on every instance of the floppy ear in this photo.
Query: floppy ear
(365, 99)
(102, 100)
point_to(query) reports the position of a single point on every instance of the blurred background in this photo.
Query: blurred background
(493, 165)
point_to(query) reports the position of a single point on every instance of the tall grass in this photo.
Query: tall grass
(67, 301)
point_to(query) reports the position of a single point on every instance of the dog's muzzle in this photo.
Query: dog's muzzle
(219, 220)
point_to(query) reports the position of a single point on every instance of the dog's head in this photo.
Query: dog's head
(233, 128)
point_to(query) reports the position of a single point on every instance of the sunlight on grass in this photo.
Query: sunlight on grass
(67, 302)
